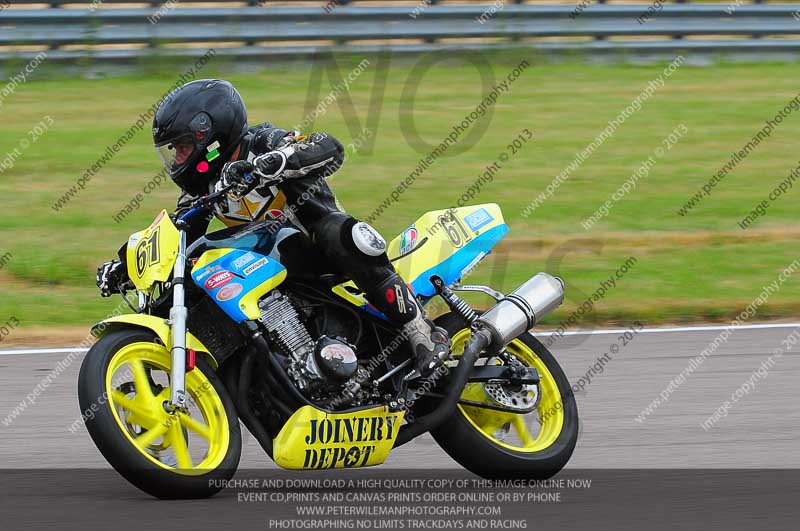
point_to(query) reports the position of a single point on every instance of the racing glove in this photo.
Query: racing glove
(243, 176)
(110, 276)
(238, 176)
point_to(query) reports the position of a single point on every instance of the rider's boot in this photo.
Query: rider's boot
(430, 344)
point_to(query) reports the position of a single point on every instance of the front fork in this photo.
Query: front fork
(177, 318)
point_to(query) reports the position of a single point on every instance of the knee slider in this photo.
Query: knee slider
(350, 243)
(367, 239)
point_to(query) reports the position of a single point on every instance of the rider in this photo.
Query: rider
(201, 133)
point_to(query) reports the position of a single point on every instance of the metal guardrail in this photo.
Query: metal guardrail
(261, 3)
(256, 31)
(267, 3)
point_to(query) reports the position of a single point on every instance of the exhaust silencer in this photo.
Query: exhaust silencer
(521, 310)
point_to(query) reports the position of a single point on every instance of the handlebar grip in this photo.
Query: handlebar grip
(192, 212)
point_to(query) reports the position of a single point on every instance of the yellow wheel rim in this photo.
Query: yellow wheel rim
(528, 432)
(191, 442)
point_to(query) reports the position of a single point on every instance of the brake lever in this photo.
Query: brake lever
(123, 291)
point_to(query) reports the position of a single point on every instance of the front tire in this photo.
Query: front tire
(185, 455)
(481, 440)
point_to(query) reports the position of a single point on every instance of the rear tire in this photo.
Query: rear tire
(485, 456)
(116, 445)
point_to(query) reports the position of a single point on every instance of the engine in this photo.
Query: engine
(325, 370)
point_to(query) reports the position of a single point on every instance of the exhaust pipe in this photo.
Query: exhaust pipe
(518, 312)
(512, 316)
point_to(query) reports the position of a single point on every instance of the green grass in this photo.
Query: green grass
(697, 267)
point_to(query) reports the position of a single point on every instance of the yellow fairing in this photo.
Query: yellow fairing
(156, 324)
(314, 440)
(151, 253)
(349, 292)
(248, 302)
(210, 256)
(446, 231)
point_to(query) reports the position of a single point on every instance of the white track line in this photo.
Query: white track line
(671, 329)
(16, 352)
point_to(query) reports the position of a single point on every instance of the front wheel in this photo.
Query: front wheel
(496, 444)
(122, 389)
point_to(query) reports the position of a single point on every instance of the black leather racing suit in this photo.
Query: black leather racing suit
(305, 198)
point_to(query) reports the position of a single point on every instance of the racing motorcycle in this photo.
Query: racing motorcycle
(251, 324)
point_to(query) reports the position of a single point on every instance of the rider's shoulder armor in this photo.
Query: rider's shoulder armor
(265, 137)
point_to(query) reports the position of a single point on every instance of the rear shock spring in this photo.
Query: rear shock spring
(456, 303)
(465, 311)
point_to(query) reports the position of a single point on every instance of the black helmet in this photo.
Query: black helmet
(196, 130)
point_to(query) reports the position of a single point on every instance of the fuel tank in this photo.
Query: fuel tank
(277, 240)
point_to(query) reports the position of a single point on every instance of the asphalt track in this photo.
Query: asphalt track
(761, 431)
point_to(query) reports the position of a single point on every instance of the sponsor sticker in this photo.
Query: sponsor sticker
(254, 266)
(243, 260)
(228, 292)
(158, 219)
(346, 442)
(408, 240)
(478, 219)
(213, 151)
(275, 213)
(219, 279)
(207, 271)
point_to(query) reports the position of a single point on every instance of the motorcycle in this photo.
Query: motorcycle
(264, 331)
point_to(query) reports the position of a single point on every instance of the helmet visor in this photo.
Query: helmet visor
(176, 153)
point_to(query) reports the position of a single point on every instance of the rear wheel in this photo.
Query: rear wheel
(496, 444)
(122, 389)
